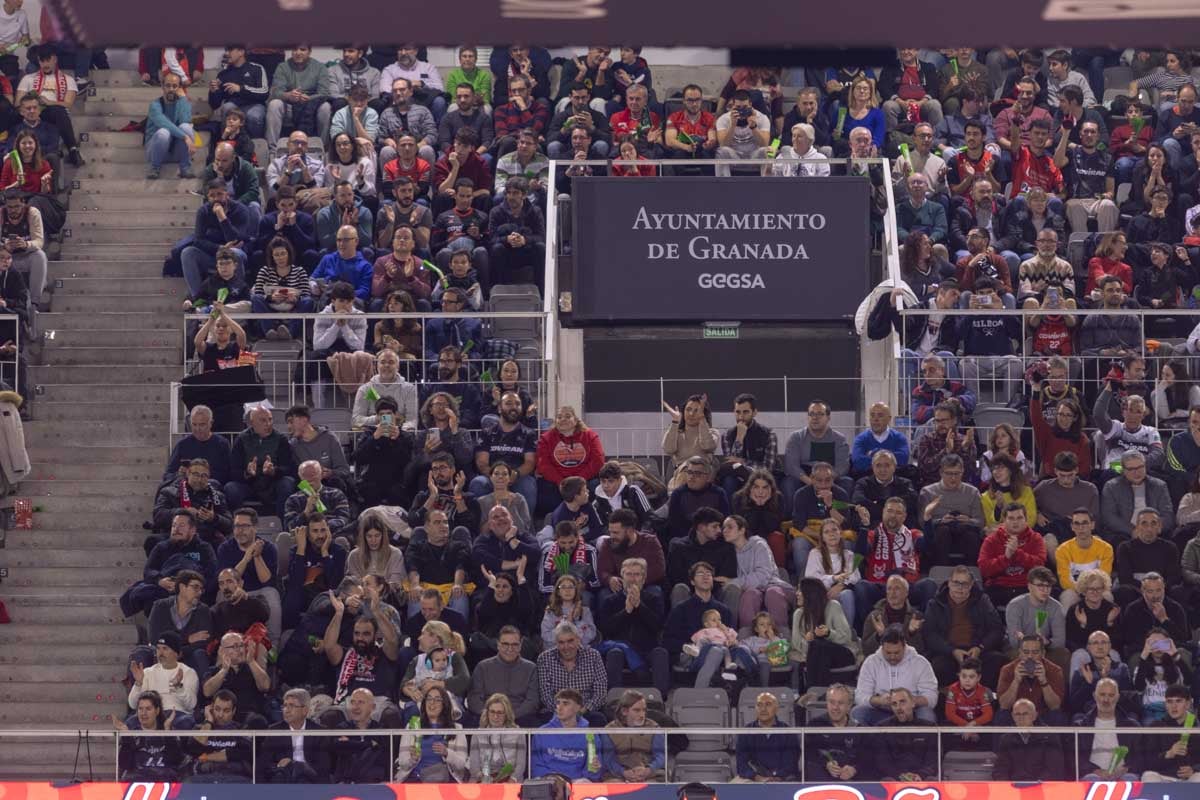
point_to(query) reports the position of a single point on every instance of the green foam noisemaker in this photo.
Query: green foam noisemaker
(954, 65)
(904, 149)
(593, 758)
(562, 563)
(1040, 617)
(858, 559)
(486, 377)
(1188, 722)
(429, 265)
(372, 395)
(842, 505)
(1119, 753)
(1137, 123)
(221, 295)
(773, 147)
(307, 488)
(683, 137)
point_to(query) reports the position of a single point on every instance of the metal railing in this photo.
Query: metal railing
(720, 751)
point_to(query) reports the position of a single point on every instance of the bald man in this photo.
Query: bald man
(317, 499)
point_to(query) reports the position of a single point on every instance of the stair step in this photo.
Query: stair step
(111, 202)
(71, 653)
(41, 541)
(154, 456)
(111, 395)
(109, 170)
(16, 713)
(111, 285)
(80, 412)
(151, 268)
(124, 109)
(17, 634)
(148, 337)
(166, 185)
(84, 693)
(95, 123)
(111, 672)
(88, 220)
(43, 487)
(129, 235)
(53, 580)
(140, 356)
(110, 320)
(136, 507)
(24, 558)
(100, 432)
(107, 302)
(98, 375)
(130, 77)
(45, 470)
(96, 520)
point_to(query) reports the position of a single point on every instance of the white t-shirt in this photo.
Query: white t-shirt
(49, 91)
(1103, 743)
(742, 140)
(13, 27)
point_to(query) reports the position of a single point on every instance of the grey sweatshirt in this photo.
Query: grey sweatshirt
(799, 452)
(517, 681)
(756, 566)
(964, 499)
(326, 449)
(1020, 617)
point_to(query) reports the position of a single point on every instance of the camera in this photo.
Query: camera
(743, 116)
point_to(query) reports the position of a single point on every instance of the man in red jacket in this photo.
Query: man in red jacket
(1007, 555)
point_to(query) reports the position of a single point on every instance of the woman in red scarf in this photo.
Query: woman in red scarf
(26, 170)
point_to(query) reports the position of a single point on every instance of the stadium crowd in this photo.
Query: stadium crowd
(471, 561)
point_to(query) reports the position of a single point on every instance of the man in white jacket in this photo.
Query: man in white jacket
(387, 382)
(175, 681)
(896, 665)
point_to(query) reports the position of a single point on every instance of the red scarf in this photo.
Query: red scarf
(578, 557)
(185, 497)
(60, 84)
(888, 555)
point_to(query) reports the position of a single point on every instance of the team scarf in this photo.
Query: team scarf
(349, 670)
(578, 557)
(185, 496)
(60, 84)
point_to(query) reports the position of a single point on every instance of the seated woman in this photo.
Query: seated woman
(1004, 440)
(821, 636)
(502, 476)
(374, 555)
(401, 336)
(690, 434)
(445, 669)
(1173, 395)
(832, 563)
(760, 503)
(352, 159)
(758, 577)
(1007, 485)
(142, 758)
(498, 757)
(635, 758)
(435, 749)
(1095, 611)
(27, 170)
(508, 600)
(566, 605)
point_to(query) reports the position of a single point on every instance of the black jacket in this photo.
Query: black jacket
(502, 222)
(632, 498)
(273, 749)
(640, 629)
(842, 745)
(1154, 749)
(927, 74)
(962, 219)
(820, 123)
(907, 752)
(870, 493)
(1133, 760)
(361, 758)
(987, 626)
(1037, 758)
(685, 552)
(253, 81)
(559, 129)
(1020, 235)
(167, 502)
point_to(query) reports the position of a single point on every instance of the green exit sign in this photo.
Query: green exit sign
(720, 330)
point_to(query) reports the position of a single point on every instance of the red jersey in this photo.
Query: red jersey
(1052, 337)
(697, 130)
(624, 124)
(418, 172)
(1030, 171)
(963, 707)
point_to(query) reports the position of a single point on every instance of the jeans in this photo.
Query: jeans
(256, 117)
(162, 145)
(198, 265)
(526, 486)
(258, 304)
(1124, 168)
(279, 113)
(561, 150)
(775, 599)
(657, 660)
(1174, 151)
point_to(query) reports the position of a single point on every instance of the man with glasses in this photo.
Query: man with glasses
(1082, 552)
(1095, 662)
(923, 159)
(194, 495)
(255, 560)
(697, 491)
(952, 511)
(521, 111)
(691, 131)
(945, 439)
(404, 117)
(1131, 493)
(819, 441)
(1028, 755)
(1032, 676)
(347, 265)
(960, 623)
(509, 674)
(237, 673)
(1037, 613)
(296, 758)
(579, 114)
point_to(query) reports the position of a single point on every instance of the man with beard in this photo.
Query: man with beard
(467, 115)
(182, 550)
(632, 617)
(438, 562)
(404, 117)
(175, 682)
(451, 366)
(626, 541)
(219, 221)
(244, 677)
(220, 757)
(317, 565)
(952, 512)
(365, 664)
(423, 77)
(235, 609)
(404, 211)
(196, 497)
(500, 547)
(510, 442)
(329, 501)
(579, 113)
(444, 493)
(254, 560)
(892, 549)
(360, 758)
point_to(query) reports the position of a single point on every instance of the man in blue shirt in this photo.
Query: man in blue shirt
(768, 757)
(347, 264)
(220, 222)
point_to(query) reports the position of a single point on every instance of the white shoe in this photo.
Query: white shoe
(692, 650)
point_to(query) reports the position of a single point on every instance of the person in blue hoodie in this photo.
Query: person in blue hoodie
(345, 209)
(575, 757)
(347, 264)
(219, 222)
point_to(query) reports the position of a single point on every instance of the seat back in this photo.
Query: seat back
(701, 708)
(940, 575)
(749, 696)
(961, 765)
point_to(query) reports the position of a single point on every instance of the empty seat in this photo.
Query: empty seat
(701, 708)
(940, 575)
(337, 420)
(989, 416)
(961, 765)
(283, 546)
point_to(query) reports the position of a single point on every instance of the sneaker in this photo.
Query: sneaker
(153, 173)
(692, 650)
(186, 174)
(74, 159)
(728, 676)
(82, 84)
(285, 334)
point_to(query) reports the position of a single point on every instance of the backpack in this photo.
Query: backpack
(650, 484)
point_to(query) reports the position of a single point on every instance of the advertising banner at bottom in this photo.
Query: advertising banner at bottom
(1115, 790)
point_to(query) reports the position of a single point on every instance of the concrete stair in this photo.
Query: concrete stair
(109, 346)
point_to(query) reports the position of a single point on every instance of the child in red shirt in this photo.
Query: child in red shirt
(968, 702)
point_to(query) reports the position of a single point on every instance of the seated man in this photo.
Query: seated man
(989, 365)
(444, 490)
(750, 445)
(327, 500)
(24, 235)
(463, 227)
(187, 616)
(193, 495)
(836, 751)
(296, 758)
(960, 624)
(697, 491)
(169, 131)
(1095, 661)
(200, 443)
(254, 560)
(453, 376)
(1028, 755)
(520, 112)
(1152, 610)
(1131, 434)
(767, 758)
(742, 132)
(525, 161)
(944, 439)
(510, 442)
(345, 210)
(389, 383)
(469, 114)
(461, 161)
(501, 547)
(705, 544)
(920, 213)
(219, 220)
(183, 550)
(440, 562)
(56, 90)
(687, 617)
(516, 237)
(243, 85)
(1129, 490)
(346, 265)
(579, 113)
(509, 674)
(297, 228)
(263, 464)
(820, 500)
(576, 758)
(952, 512)
(1058, 499)
(400, 212)
(1090, 180)
(361, 758)
(299, 167)
(403, 116)
(581, 561)
(633, 617)
(433, 609)
(1096, 752)
(1144, 554)
(1083, 552)
(1033, 677)
(1008, 554)
(870, 491)
(818, 442)
(369, 663)
(637, 120)
(176, 682)
(1172, 757)
(893, 608)
(220, 757)
(576, 508)
(317, 565)
(241, 177)
(879, 435)
(895, 665)
(1036, 613)
(572, 665)
(908, 756)
(236, 610)
(910, 89)
(245, 678)
(295, 97)
(310, 443)
(935, 387)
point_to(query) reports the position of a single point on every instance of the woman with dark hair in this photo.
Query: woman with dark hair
(1174, 395)
(281, 285)
(508, 380)
(822, 639)
(1004, 439)
(29, 172)
(1153, 172)
(435, 750)
(761, 505)
(144, 758)
(353, 160)
(1006, 485)
(920, 268)
(401, 336)
(1065, 435)
(757, 576)
(690, 434)
(374, 554)
(508, 600)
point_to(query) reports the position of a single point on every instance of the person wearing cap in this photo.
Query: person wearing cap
(175, 682)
